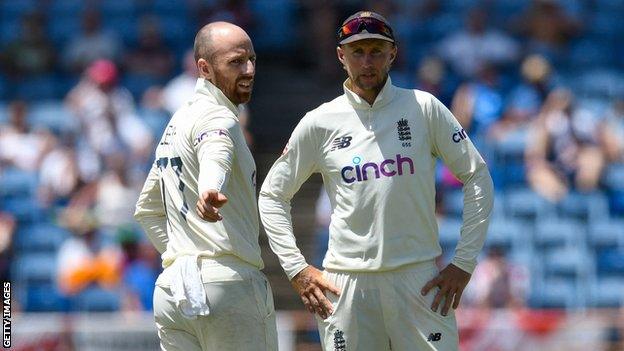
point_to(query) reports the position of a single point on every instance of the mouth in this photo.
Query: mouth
(368, 75)
(245, 85)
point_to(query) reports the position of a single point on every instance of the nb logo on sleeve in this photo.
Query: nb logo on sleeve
(341, 142)
(434, 337)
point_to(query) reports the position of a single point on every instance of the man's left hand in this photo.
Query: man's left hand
(452, 281)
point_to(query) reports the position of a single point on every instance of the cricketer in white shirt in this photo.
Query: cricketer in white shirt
(211, 294)
(377, 160)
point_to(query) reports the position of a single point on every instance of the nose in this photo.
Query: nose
(368, 60)
(250, 68)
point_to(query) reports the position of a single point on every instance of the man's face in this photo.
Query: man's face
(367, 62)
(233, 70)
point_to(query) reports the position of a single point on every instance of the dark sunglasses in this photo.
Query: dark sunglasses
(357, 25)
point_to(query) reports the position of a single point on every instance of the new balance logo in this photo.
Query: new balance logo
(341, 143)
(403, 130)
(434, 337)
(339, 342)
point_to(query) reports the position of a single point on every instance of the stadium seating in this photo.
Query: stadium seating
(52, 115)
(608, 233)
(606, 292)
(586, 207)
(96, 299)
(40, 237)
(508, 233)
(44, 297)
(574, 249)
(559, 232)
(556, 293)
(24, 209)
(524, 203)
(34, 267)
(17, 183)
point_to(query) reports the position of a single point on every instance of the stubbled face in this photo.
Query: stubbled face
(233, 67)
(367, 63)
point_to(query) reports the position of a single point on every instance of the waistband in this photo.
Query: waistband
(217, 269)
(410, 267)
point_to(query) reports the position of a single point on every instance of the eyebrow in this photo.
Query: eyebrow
(374, 46)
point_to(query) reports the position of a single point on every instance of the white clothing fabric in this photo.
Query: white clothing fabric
(241, 318)
(241, 314)
(385, 311)
(204, 130)
(187, 289)
(378, 167)
(108, 118)
(177, 91)
(467, 52)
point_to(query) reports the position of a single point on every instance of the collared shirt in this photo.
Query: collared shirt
(378, 166)
(206, 129)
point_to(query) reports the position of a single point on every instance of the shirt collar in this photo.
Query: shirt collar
(385, 95)
(205, 87)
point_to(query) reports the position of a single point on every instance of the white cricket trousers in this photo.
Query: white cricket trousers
(380, 311)
(242, 315)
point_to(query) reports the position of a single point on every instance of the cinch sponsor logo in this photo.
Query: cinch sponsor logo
(387, 168)
(459, 135)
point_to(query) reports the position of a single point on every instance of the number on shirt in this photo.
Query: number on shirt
(176, 165)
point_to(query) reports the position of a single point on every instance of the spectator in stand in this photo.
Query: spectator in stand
(468, 50)
(432, 78)
(612, 132)
(106, 114)
(32, 53)
(478, 104)
(141, 267)
(182, 87)
(59, 175)
(319, 43)
(548, 28)
(232, 11)
(20, 146)
(92, 44)
(525, 100)
(115, 194)
(85, 258)
(497, 283)
(151, 57)
(322, 218)
(563, 149)
(7, 228)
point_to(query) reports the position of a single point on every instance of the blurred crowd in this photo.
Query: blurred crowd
(86, 88)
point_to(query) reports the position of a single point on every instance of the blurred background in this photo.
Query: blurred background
(86, 88)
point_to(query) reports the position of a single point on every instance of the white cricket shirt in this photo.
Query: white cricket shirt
(378, 166)
(202, 141)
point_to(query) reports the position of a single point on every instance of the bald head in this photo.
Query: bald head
(225, 57)
(217, 36)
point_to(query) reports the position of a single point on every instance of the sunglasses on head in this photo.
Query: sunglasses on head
(357, 25)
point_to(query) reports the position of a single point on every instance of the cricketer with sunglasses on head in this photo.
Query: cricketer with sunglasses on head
(376, 148)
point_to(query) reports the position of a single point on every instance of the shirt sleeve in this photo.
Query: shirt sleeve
(212, 141)
(297, 162)
(150, 211)
(452, 144)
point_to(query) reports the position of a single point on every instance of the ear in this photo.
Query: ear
(205, 69)
(393, 54)
(340, 53)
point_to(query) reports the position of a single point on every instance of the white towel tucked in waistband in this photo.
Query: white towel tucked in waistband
(187, 287)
